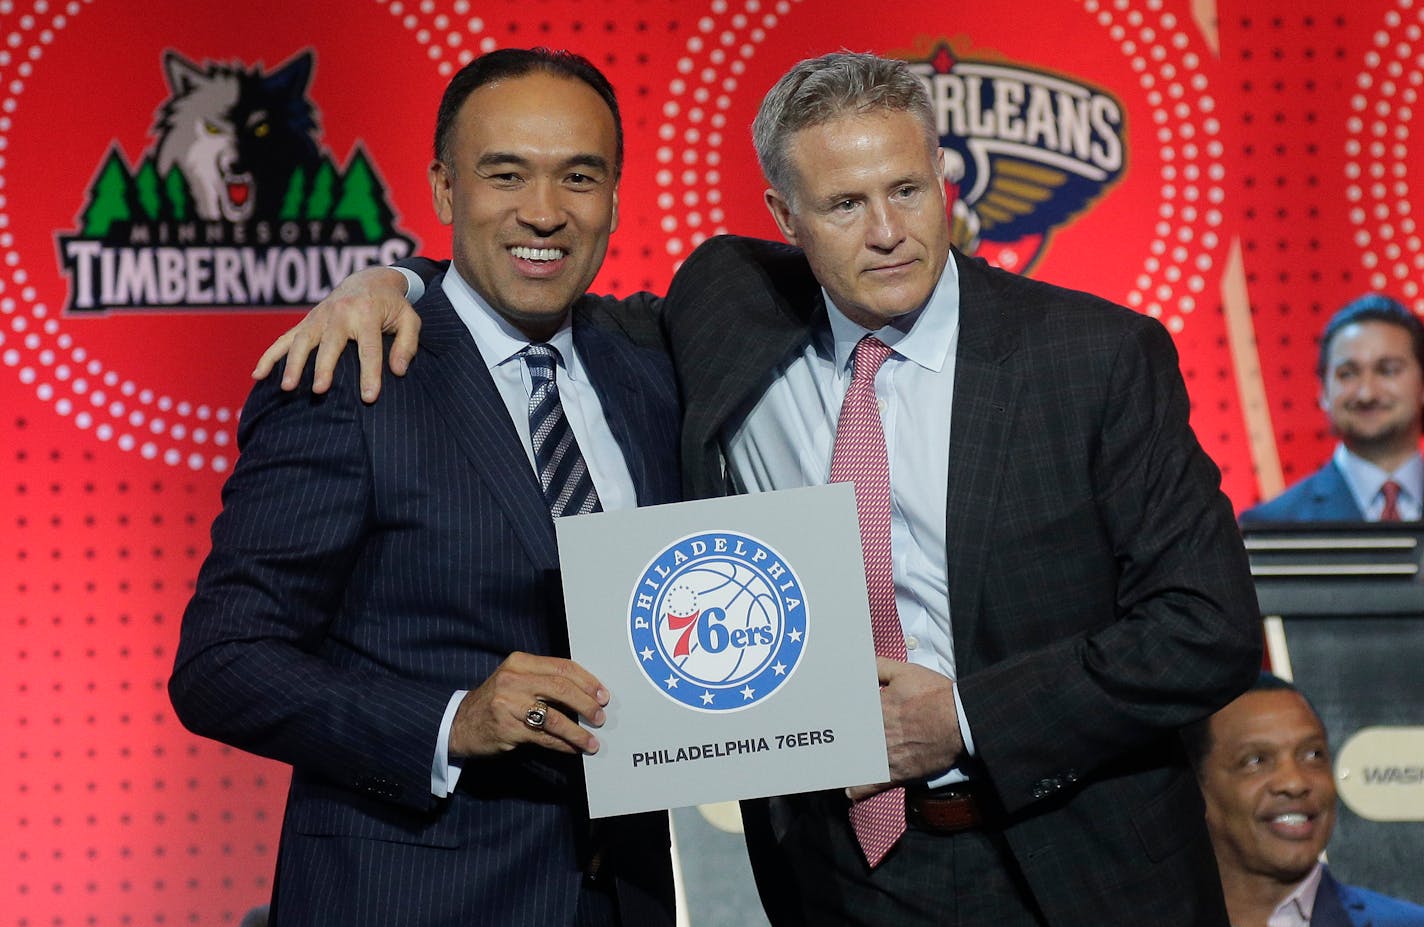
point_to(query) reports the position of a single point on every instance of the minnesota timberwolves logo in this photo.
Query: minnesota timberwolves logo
(1025, 150)
(235, 205)
(717, 621)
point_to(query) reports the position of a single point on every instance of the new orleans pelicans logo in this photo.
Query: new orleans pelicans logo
(717, 621)
(236, 205)
(1025, 150)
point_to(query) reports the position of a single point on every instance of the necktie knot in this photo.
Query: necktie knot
(541, 359)
(870, 353)
(1390, 490)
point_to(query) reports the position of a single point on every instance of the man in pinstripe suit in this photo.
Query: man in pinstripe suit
(382, 609)
(1067, 573)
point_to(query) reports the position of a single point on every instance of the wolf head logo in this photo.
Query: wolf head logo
(237, 135)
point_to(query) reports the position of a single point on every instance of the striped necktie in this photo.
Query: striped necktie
(563, 474)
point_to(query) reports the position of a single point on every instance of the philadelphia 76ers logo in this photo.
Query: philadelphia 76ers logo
(717, 621)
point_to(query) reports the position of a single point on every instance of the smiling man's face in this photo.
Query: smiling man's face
(531, 194)
(1270, 794)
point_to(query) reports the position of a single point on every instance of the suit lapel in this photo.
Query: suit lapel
(1331, 498)
(983, 408)
(460, 387)
(1329, 910)
(621, 393)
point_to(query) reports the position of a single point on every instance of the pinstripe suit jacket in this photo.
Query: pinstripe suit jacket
(369, 561)
(1099, 592)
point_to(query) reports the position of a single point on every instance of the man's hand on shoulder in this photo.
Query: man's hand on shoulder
(492, 718)
(362, 308)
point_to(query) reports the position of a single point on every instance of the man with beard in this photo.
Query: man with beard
(1372, 389)
(1264, 767)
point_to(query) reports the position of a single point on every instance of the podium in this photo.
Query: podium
(1344, 612)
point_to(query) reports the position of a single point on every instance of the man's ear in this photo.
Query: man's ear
(440, 192)
(781, 212)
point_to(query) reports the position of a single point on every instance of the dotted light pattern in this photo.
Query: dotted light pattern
(1377, 155)
(1182, 254)
(689, 155)
(79, 386)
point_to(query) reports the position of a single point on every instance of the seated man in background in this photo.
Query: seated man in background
(1372, 388)
(1264, 767)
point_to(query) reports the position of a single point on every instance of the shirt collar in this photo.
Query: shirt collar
(1367, 478)
(922, 337)
(498, 340)
(1299, 905)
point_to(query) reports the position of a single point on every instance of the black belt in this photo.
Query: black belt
(949, 810)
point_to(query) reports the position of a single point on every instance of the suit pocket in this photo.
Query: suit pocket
(1172, 819)
(322, 811)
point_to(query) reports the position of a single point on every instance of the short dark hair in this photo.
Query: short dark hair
(1372, 307)
(505, 63)
(1196, 737)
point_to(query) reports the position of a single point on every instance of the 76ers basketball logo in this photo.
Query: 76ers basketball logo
(717, 621)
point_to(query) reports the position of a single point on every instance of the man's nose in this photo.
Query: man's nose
(540, 209)
(886, 227)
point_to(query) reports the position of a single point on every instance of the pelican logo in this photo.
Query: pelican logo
(1025, 150)
(235, 205)
(717, 621)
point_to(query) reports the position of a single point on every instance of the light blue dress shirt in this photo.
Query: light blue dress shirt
(1366, 480)
(786, 439)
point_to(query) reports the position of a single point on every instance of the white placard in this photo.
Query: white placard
(734, 637)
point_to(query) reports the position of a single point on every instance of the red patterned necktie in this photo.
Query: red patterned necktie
(860, 458)
(1390, 512)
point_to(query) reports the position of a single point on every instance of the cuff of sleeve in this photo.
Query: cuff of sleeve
(414, 286)
(954, 773)
(444, 774)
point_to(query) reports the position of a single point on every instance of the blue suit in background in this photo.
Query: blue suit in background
(370, 561)
(1322, 496)
(1339, 905)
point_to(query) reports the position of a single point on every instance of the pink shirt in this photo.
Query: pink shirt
(1295, 909)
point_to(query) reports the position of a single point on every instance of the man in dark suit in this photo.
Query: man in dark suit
(1264, 766)
(382, 608)
(1068, 579)
(1371, 373)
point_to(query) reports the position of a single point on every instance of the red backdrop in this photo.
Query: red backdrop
(1253, 123)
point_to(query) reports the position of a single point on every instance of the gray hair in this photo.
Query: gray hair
(817, 90)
